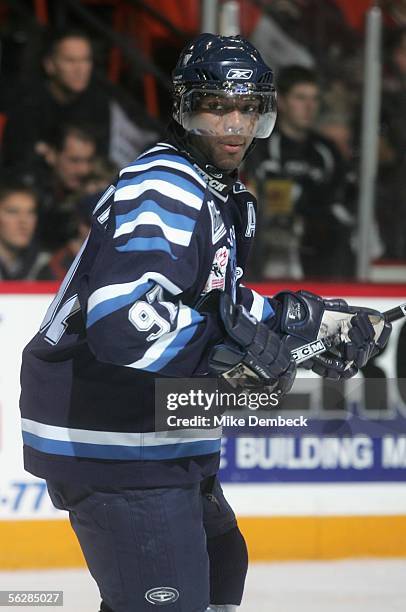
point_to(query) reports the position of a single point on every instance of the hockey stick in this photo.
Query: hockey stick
(311, 349)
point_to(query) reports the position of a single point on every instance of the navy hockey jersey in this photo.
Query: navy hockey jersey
(124, 315)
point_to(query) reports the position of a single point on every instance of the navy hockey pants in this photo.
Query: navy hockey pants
(151, 547)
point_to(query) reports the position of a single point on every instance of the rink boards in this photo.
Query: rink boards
(297, 495)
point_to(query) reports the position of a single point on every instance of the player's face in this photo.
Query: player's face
(18, 220)
(299, 107)
(71, 64)
(229, 127)
(74, 163)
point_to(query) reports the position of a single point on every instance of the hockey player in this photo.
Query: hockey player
(146, 506)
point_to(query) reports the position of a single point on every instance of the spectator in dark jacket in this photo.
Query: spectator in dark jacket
(60, 261)
(391, 200)
(67, 94)
(299, 176)
(59, 177)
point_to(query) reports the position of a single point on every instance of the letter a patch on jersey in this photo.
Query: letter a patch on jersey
(218, 229)
(251, 220)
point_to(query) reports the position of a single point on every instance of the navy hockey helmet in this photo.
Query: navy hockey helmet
(217, 74)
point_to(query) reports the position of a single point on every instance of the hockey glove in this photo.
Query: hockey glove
(251, 355)
(354, 334)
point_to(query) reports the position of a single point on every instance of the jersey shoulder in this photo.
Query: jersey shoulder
(162, 173)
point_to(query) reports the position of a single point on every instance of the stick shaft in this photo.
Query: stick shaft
(394, 314)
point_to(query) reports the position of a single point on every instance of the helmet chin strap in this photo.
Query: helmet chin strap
(219, 180)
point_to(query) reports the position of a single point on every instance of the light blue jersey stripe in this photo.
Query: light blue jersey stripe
(147, 244)
(105, 308)
(177, 345)
(107, 451)
(175, 220)
(162, 175)
(267, 311)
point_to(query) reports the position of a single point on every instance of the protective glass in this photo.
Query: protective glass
(240, 111)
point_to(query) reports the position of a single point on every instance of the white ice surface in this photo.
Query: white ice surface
(333, 586)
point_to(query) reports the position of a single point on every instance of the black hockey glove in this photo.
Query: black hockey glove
(251, 355)
(353, 334)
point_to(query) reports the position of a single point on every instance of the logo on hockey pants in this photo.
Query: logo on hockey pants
(162, 596)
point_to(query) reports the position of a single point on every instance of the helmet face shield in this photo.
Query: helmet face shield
(233, 109)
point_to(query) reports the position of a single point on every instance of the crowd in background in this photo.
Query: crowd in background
(65, 133)
(56, 159)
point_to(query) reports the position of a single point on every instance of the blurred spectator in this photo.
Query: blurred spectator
(337, 128)
(339, 97)
(394, 94)
(304, 32)
(67, 94)
(103, 174)
(97, 182)
(273, 36)
(59, 175)
(61, 260)
(391, 200)
(299, 176)
(20, 257)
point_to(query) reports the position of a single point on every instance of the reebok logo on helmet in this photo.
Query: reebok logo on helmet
(239, 73)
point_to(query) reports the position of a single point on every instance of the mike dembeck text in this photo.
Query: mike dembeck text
(232, 421)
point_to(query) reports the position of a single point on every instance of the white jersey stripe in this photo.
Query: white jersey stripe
(257, 307)
(113, 291)
(104, 198)
(149, 438)
(130, 192)
(167, 164)
(160, 146)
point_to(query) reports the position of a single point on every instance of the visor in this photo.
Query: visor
(240, 110)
